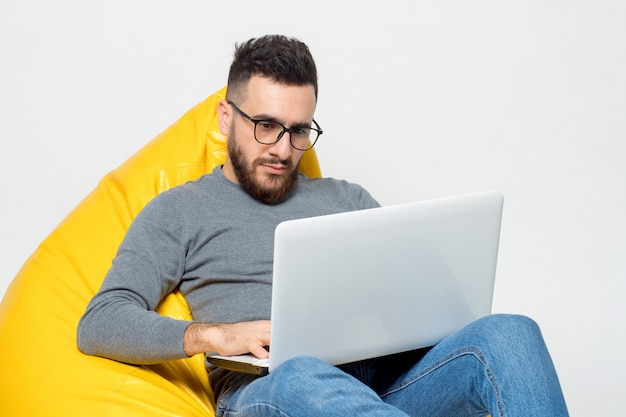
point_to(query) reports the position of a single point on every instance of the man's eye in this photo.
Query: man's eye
(266, 125)
(300, 131)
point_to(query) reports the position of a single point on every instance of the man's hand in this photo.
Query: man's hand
(228, 339)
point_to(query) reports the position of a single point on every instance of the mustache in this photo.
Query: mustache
(273, 161)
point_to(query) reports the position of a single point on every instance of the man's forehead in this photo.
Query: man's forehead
(275, 98)
(262, 83)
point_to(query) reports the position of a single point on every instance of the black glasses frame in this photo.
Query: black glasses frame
(311, 143)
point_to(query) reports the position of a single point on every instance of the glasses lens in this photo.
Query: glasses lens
(303, 137)
(268, 132)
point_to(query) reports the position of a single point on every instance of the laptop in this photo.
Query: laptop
(371, 283)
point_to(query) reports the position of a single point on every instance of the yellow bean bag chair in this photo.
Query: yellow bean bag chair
(42, 371)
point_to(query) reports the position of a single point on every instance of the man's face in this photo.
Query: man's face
(266, 172)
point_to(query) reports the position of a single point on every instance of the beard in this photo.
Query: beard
(276, 186)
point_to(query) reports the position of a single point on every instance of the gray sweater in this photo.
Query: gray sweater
(214, 242)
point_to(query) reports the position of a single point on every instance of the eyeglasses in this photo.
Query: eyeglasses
(268, 132)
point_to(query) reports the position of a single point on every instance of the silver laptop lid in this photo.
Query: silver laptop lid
(375, 282)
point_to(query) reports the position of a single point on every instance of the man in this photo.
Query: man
(213, 239)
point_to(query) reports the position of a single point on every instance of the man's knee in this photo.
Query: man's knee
(508, 332)
(300, 365)
(312, 384)
(510, 323)
(303, 374)
(509, 320)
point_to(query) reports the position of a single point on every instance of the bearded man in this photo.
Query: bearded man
(212, 238)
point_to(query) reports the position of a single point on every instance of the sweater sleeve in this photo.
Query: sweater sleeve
(120, 322)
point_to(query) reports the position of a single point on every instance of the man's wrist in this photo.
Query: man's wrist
(197, 338)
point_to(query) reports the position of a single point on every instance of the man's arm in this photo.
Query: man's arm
(228, 339)
(150, 338)
(117, 328)
(120, 322)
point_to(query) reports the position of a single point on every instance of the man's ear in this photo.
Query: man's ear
(224, 116)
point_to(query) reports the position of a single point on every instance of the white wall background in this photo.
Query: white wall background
(418, 100)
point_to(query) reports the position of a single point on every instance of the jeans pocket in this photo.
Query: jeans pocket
(231, 391)
(223, 402)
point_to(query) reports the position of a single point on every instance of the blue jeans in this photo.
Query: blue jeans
(498, 365)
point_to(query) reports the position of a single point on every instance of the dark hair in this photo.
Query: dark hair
(279, 58)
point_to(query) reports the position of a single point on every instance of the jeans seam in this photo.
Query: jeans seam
(469, 350)
(254, 405)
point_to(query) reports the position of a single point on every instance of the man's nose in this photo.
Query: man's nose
(282, 148)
